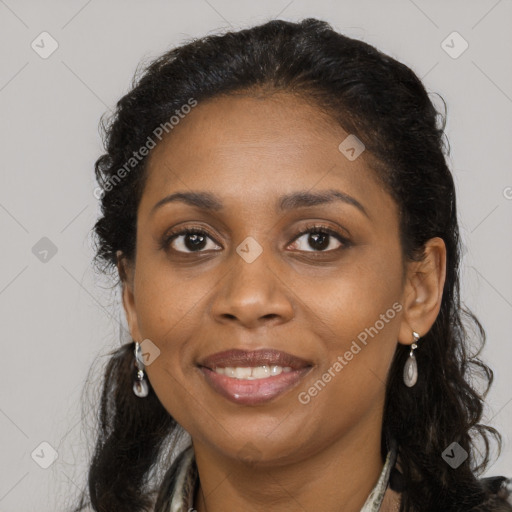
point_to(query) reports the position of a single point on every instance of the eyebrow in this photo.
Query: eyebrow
(302, 199)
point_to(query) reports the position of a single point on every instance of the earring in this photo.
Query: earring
(140, 386)
(411, 367)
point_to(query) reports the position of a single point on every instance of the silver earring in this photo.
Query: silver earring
(411, 367)
(140, 386)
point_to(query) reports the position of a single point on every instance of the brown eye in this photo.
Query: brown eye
(321, 239)
(188, 241)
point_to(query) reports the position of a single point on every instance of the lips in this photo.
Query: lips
(239, 387)
(247, 359)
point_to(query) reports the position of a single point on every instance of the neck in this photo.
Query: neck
(342, 474)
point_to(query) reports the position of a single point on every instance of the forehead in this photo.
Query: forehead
(254, 149)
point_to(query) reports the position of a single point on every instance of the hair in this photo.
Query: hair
(386, 106)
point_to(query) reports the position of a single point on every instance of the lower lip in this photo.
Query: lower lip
(256, 391)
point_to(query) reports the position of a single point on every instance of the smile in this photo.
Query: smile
(250, 378)
(256, 372)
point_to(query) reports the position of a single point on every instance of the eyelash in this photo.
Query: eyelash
(315, 228)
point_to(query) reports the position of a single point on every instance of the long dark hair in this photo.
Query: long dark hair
(386, 106)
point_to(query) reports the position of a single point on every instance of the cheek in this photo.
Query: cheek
(168, 314)
(354, 296)
(357, 317)
(166, 302)
(357, 348)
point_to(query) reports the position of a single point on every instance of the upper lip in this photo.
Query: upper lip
(246, 358)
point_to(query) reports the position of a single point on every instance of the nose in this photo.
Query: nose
(252, 294)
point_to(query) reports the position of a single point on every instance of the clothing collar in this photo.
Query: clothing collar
(187, 481)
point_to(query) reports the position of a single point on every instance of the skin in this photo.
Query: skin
(250, 150)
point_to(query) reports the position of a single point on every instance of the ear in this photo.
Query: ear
(423, 291)
(126, 275)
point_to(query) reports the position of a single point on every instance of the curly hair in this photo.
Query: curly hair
(386, 106)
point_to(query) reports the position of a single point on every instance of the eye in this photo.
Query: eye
(187, 241)
(196, 240)
(320, 238)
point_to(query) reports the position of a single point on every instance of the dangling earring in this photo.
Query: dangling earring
(411, 367)
(140, 386)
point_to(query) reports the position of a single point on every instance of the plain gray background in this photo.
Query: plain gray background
(58, 317)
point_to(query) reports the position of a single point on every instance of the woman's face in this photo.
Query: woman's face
(323, 310)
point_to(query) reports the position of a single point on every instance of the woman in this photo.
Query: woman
(278, 207)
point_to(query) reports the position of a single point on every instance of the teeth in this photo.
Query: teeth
(260, 372)
(253, 373)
